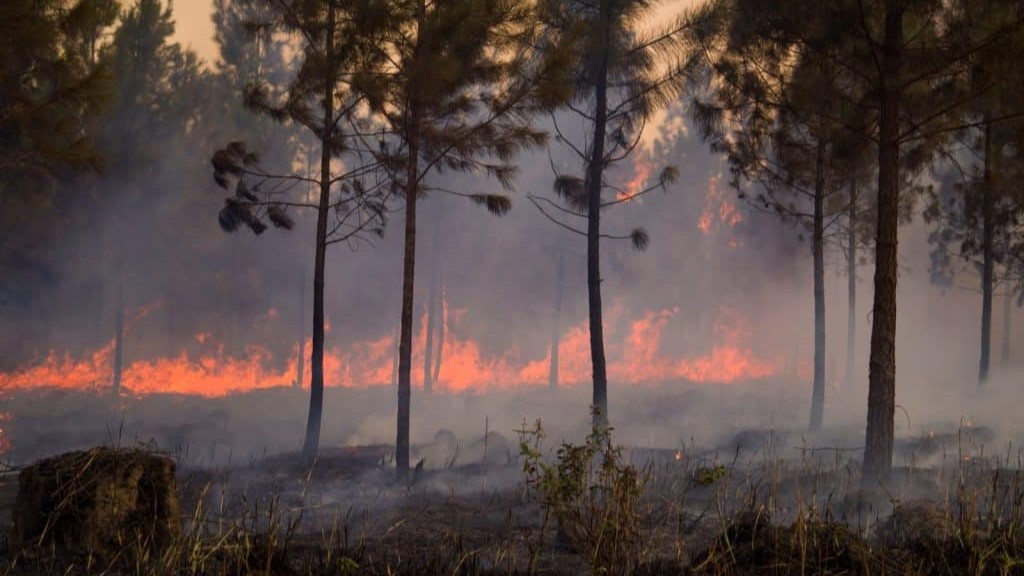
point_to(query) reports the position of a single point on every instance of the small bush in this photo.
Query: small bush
(593, 495)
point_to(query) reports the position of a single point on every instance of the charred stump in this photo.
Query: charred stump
(99, 502)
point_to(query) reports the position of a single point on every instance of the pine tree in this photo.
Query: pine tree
(458, 97)
(976, 212)
(51, 87)
(619, 77)
(906, 58)
(337, 41)
(800, 152)
(157, 83)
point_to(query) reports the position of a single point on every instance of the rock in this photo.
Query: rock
(443, 452)
(493, 450)
(95, 502)
(446, 438)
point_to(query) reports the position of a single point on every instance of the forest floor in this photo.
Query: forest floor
(755, 505)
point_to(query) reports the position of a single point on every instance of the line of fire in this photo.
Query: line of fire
(542, 287)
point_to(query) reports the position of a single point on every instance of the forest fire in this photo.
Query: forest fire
(638, 356)
(641, 173)
(644, 260)
(718, 209)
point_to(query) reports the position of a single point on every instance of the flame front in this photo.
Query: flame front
(641, 174)
(636, 348)
(639, 356)
(719, 211)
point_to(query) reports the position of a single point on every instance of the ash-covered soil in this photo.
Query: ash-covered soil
(753, 497)
(732, 487)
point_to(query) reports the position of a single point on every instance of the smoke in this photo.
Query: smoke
(717, 274)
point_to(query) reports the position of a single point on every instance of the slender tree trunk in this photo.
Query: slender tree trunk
(1007, 312)
(556, 320)
(595, 172)
(443, 316)
(851, 287)
(394, 356)
(432, 297)
(412, 175)
(988, 264)
(818, 246)
(300, 366)
(405, 336)
(118, 329)
(316, 387)
(428, 347)
(169, 325)
(878, 444)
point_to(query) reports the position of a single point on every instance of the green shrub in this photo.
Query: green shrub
(594, 496)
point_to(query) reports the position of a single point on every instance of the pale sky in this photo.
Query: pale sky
(194, 28)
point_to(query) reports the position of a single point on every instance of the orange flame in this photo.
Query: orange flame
(641, 173)
(639, 356)
(641, 359)
(718, 209)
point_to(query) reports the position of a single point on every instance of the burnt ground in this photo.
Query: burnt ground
(725, 480)
(347, 514)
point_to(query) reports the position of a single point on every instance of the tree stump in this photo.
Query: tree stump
(100, 501)
(920, 524)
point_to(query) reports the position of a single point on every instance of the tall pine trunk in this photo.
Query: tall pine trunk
(878, 444)
(595, 172)
(441, 326)
(300, 366)
(851, 287)
(316, 388)
(432, 297)
(405, 333)
(169, 330)
(556, 320)
(1007, 312)
(988, 264)
(818, 246)
(408, 266)
(118, 367)
(394, 356)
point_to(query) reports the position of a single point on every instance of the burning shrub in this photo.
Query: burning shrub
(97, 502)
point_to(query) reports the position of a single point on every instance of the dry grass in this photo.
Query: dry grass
(772, 510)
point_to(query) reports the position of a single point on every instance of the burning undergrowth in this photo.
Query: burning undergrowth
(637, 355)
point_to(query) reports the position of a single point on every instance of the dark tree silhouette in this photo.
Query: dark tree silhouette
(976, 213)
(458, 96)
(336, 42)
(618, 78)
(906, 57)
(767, 116)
